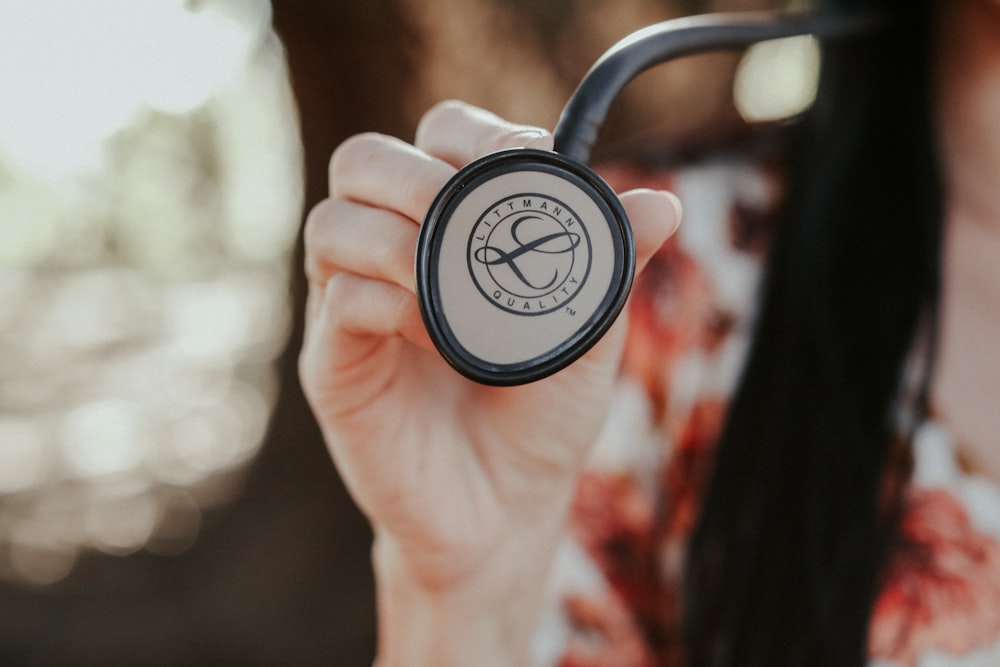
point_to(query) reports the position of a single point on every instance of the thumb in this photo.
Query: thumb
(655, 216)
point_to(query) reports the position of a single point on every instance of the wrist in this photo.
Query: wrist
(488, 617)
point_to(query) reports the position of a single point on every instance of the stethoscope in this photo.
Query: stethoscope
(526, 257)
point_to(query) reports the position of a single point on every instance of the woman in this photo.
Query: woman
(814, 544)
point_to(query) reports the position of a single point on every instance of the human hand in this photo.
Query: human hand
(466, 485)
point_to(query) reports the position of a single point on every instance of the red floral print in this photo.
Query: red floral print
(943, 587)
(941, 591)
(606, 634)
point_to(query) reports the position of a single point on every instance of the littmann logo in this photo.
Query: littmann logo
(529, 254)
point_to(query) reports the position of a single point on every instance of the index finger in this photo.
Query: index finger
(458, 133)
(386, 172)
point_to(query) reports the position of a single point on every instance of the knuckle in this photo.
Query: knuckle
(401, 249)
(516, 136)
(418, 187)
(317, 221)
(441, 115)
(392, 257)
(323, 241)
(308, 371)
(352, 152)
(338, 297)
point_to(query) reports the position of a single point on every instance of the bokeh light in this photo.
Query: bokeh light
(777, 79)
(150, 195)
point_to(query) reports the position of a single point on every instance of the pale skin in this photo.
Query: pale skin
(967, 391)
(467, 486)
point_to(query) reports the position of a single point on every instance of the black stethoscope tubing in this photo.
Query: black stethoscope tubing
(584, 113)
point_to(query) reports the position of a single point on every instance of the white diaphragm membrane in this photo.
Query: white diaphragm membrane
(524, 261)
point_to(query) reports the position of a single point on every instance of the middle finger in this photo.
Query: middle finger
(342, 235)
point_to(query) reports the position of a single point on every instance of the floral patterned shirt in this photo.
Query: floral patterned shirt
(612, 593)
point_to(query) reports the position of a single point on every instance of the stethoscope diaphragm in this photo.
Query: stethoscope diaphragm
(524, 260)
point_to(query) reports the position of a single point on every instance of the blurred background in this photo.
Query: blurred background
(165, 497)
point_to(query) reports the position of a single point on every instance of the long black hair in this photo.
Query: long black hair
(783, 565)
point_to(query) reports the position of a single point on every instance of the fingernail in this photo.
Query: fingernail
(675, 201)
(526, 137)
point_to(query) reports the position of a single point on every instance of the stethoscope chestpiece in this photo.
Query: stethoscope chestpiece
(524, 260)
